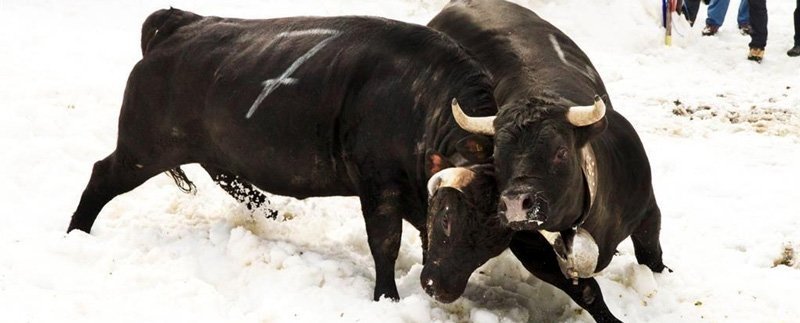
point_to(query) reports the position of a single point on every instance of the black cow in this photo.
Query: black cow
(299, 107)
(464, 230)
(559, 167)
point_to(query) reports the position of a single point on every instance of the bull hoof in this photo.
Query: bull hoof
(390, 295)
(658, 268)
(72, 228)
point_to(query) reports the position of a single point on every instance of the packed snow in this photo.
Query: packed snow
(722, 134)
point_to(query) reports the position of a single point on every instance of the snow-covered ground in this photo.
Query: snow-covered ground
(722, 133)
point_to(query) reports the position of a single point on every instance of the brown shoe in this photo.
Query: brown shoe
(710, 30)
(745, 29)
(756, 54)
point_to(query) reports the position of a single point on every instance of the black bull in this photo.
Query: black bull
(299, 107)
(559, 171)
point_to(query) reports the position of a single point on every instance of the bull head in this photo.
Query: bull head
(538, 158)
(541, 156)
(463, 229)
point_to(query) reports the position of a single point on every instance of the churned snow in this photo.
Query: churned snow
(722, 134)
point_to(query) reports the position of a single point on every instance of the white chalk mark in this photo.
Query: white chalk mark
(587, 71)
(557, 47)
(589, 167)
(271, 85)
(315, 31)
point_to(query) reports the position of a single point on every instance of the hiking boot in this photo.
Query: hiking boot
(794, 52)
(745, 29)
(710, 30)
(756, 54)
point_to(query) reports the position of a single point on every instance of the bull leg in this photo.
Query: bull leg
(112, 176)
(240, 189)
(538, 257)
(423, 237)
(646, 243)
(384, 230)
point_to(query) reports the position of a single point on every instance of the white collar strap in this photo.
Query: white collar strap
(589, 166)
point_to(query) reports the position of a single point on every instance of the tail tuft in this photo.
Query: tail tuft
(183, 182)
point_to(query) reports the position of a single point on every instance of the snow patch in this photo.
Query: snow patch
(727, 192)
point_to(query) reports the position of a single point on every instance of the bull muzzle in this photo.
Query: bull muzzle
(443, 288)
(523, 211)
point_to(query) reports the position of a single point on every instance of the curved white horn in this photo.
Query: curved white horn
(477, 125)
(455, 177)
(434, 183)
(586, 115)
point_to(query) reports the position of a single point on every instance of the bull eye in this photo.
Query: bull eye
(446, 223)
(561, 155)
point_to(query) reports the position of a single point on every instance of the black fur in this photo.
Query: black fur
(358, 119)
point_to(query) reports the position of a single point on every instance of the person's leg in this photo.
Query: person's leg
(743, 17)
(690, 9)
(795, 51)
(758, 24)
(758, 21)
(716, 12)
(797, 24)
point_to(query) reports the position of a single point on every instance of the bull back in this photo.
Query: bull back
(162, 23)
(527, 56)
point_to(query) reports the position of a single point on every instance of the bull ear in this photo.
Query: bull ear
(476, 149)
(435, 162)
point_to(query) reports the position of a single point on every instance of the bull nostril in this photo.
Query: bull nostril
(502, 207)
(527, 203)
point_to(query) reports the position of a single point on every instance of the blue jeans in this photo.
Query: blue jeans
(718, 8)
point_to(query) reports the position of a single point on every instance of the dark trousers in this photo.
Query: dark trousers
(758, 23)
(797, 24)
(692, 7)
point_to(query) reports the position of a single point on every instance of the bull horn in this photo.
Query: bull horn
(455, 177)
(586, 115)
(476, 125)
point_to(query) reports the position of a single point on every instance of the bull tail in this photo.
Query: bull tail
(163, 23)
(183, 182)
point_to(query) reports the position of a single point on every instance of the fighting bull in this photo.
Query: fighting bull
(299, 107)
(572, 175)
